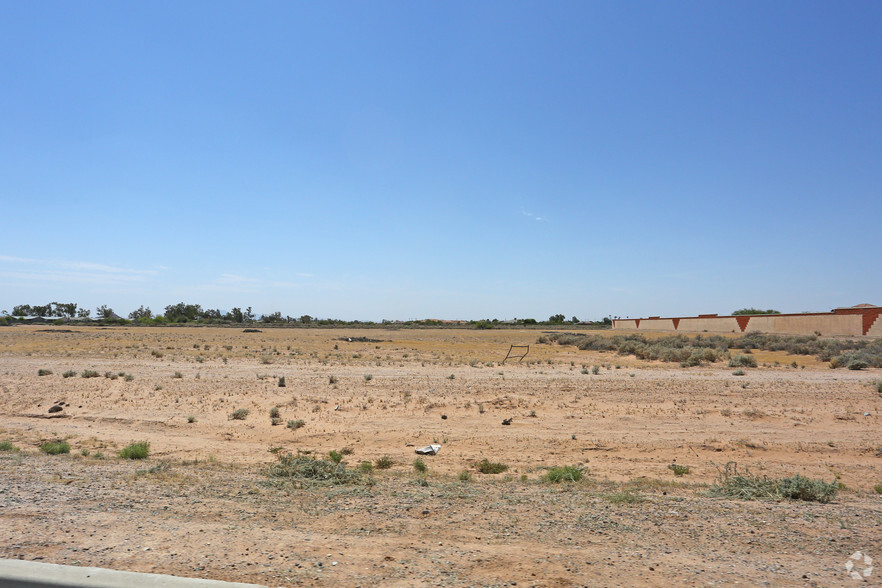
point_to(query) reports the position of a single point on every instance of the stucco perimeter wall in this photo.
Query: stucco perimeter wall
(826, 324)
(724, 324)
(625, 325)
(657, 325)
(876, 329)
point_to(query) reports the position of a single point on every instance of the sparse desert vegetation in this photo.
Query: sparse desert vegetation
(592, 465)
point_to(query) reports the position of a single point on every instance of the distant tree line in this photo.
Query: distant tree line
(182, 312)
(754, 311)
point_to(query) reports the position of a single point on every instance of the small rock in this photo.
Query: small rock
(506, 422)
(56, 408)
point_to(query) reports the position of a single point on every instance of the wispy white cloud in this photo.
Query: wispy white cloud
(535, 217)
(23, 269)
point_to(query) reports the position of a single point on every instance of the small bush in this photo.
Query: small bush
(420, 466)
(745, 486)
(302, 471)
(366, 467)
(275, 421)
(679, 470)
(274, 412)
(191, 419)
(177, 375)
(332, 380)
(488, 467)
(68, 374)
(738, 372)
(556, 475)
(296, 424)
(384, 463)
(335, 456)
(239, 414)
(44, 372)
(137, 450)
(368, 377)
(879, 387)
(129, 378)
(877, 488)
(624, 497)
(465, 476)
(90, 374)
(55, 447)
(451, 377)
(743, 361)
(595, 370)
(854, 364)
(282, 382)
(8, 446)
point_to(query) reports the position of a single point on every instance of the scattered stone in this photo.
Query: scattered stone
(506, 422)
(56, 408)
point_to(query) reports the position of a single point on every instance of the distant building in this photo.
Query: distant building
(854, 321)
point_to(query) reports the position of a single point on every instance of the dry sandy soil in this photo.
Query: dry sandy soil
(203, 506)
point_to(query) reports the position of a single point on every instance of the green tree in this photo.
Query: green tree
(575, 320)
(84, 313)
(556, 319)
(141, 313)
(235, 315)
(275, 317)
(754, 311)
(249, 314)
(21, 310)
(104, 312)
(181, 312)
(306, 319)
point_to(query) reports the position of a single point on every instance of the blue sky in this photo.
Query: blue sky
(365, 160)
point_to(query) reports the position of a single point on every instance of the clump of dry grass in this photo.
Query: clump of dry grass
(301, 470)
(731, 483)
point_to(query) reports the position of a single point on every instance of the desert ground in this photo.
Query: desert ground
(202, 504)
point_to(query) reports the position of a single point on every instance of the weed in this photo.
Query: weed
(877, 488)
(732, 484)
(420, 466)
(368, 377)
(624, 497)
(129, 378)
(753, 413)
(332, 380)
(296, 424)
(481, 407)
(44, 372)
(556, 475)
(191, 419)
(177, 375)
(137, 450)
(335, 456)
(55, 447)
(465, 476)
(857, 364)
(738, 372)
(302, 470)
(282, 382)
(488, 467)
(595, 370)
(275, 421)
(585, 371)
(451, 377)
(347, 451)
(742, 361)
(366, 467)
(68, 374)
(239, 414)
(384, 463)
(90, 374)
(679, 470)
(8, 446)
(879, 387)
(85, 452)
(274, 412)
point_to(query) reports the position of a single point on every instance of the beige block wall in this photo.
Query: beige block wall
(656, 325)
(833, 324)
(709, 324)
(876, 328)
(625, 325)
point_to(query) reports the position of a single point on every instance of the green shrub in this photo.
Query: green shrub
(368, 377)
(679, 470)
(879, 387)
(177, 375)
(366, 467)
(335, 456)
(384, 463)
(556, 475)
(332, 380)
(487, 467)
(624, 497)
(745, 486)
(743, 361)
(420, 466)
(274, 412)
(44, 372)
(282, 382)
(8, 446)
(276, 421)
(854, 364)
(137, 450)
(55, 447)
(191, 419)
(595, 370)
(465, 476)
(239, 414)
(877, 488)
(296, 424)
(68, 374)
(302, 471)
(90, 374)
(738, 372)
